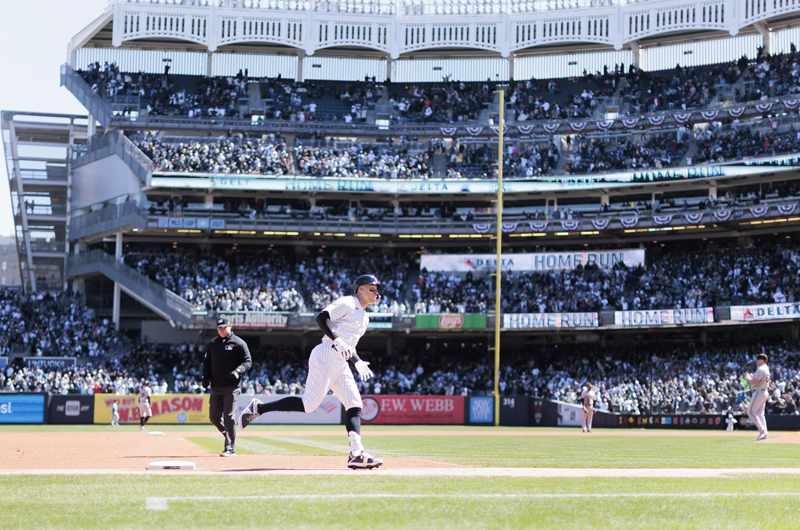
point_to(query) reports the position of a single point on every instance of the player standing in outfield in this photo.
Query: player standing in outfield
(759, 382)
(145, 412)
(344, 322)
(115, 414)
(588, 397)
(226, 361)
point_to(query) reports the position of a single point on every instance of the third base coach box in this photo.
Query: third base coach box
(71, 409)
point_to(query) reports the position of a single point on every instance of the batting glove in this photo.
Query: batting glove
(363, 370)
(343, 348)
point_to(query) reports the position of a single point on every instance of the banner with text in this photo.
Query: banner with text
(329, 412)
(50, 363)
(550, 320)
(664, 317)
(451, 321)
(22, 408)
(540, 261)
(413, 410)
(750, 313)
(167, 408)
(255, 319)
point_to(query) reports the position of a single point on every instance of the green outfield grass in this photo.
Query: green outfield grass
(367, 499)
(396, 502)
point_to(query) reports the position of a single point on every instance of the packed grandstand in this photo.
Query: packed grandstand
(260, 197)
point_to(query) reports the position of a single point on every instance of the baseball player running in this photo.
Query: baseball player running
(144, 405)
(758, 402)
(344, 322)
(588, 397)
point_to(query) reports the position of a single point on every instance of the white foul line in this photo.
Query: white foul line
(161, 503)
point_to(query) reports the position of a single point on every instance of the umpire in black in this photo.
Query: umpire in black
(227, 359)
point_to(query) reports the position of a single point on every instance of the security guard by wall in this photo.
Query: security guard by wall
(227, 359)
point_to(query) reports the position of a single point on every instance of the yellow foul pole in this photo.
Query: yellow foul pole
(498, 278)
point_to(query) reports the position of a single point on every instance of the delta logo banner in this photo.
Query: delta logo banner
(761, 312)
(532, 262)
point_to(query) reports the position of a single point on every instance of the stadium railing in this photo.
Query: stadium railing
(156, 297)
(81, 90)
(114, 142)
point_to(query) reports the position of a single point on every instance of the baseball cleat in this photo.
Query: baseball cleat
(227, 453)
(249, 414)
(142, 429)
(363, 461)
(762, 436)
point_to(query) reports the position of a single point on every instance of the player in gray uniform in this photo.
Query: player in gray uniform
(758, 402)
(588, 397)
(344, 322)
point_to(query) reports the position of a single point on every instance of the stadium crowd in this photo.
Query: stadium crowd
(236, 155)
(713, 145)
(362, 161)
(654, 378)
(43, 324)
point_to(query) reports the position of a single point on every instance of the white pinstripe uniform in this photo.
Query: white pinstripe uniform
(144, 401)
(326, 368)
(758, 401)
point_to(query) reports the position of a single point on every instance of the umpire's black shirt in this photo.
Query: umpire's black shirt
(223, 356)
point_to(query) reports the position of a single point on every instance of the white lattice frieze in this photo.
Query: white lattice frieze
(752, 11)
(131, 25)
(679, 17)
(402, 26)
(339, 33)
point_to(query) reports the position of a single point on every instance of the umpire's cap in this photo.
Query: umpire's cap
(367, 279)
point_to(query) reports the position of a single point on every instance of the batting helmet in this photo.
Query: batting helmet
(367, 279)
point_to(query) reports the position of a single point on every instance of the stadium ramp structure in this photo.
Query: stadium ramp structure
(107, 221)
(116, 143)
(98, 108)
(150, 294)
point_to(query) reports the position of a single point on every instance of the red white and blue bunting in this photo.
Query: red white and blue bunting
(682, 117)
(496, 129)
(551, 127)
(449, 131)
(525, 129)
(787, 209)
(482, 228)
(662, 220)
(629, 222)
(791, 103)
(509, 227)
(764, 107)
(539, 226)
(474, 131)
(722, 215)
(600, 224)
(630, 123)
(736, 111)
(710, 115)
(656, 120)
(577, 126)
(693, 218)
(605, 125)
(570, 225)
(759, 211)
